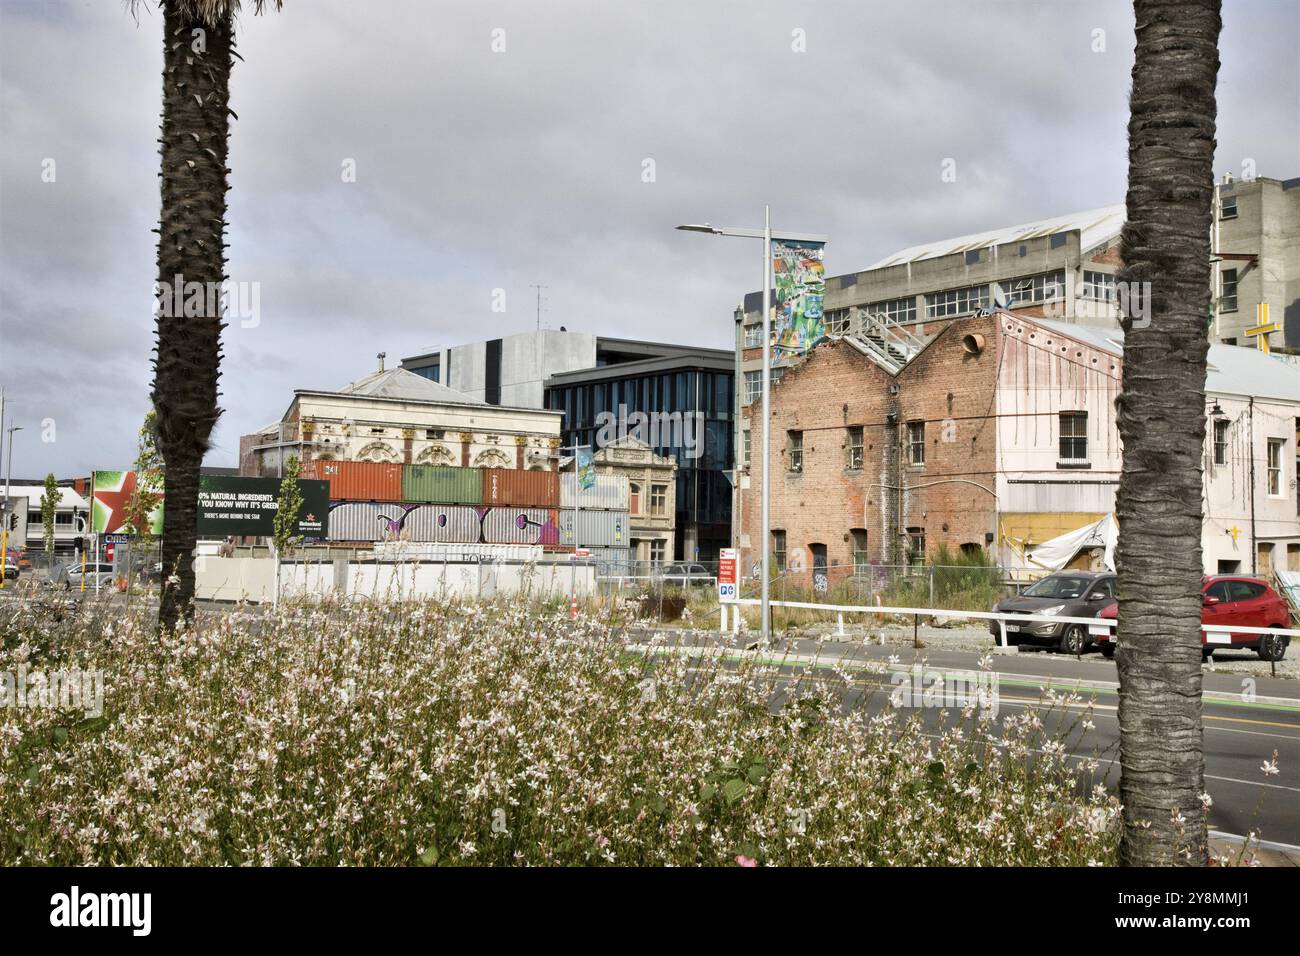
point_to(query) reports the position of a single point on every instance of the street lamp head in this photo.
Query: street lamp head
(700, 227)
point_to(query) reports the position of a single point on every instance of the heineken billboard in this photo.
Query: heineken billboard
(247, 506)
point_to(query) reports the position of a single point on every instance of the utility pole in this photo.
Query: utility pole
(4, 516)
(577, 498)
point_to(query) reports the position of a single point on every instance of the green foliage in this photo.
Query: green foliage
(286, 538)
(148, 493)
(49, 507)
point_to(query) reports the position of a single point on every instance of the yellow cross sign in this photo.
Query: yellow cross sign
(1262, 327)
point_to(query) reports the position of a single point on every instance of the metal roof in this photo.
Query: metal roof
(68, 497)
(402, 384)
(1231, 369)
(1096, 227)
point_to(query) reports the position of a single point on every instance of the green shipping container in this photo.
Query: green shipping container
(442, 485)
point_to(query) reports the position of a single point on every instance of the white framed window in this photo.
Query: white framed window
(1221, 441)
(657, 552)
(1275, 447)
(1227, 207)
(916, 443)
(854, 447)
(1099, 286)
(837, 322)
(754, 336)
(1228, 301)
(956, 302)
(794, 448)
(753, 386)
(1043, 287)
(899, 310)
(746, 447)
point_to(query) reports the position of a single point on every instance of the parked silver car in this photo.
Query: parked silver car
(72, 576)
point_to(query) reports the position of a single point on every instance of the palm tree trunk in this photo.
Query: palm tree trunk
(191, 252)
(1166, 251)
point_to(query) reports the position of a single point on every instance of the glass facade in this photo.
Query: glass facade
(688, 416)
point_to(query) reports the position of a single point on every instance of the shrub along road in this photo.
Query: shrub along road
(1247, 716)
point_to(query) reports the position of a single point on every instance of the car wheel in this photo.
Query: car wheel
(1073, 640)
(1272, 647)
(1108, 650)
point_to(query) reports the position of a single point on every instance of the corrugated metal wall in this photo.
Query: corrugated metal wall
(609, 493)
(529, 489)
(357, 480)
(596, 529)
(439, 484)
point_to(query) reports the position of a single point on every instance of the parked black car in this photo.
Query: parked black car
(1065, 593)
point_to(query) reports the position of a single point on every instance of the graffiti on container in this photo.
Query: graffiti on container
(446, 524)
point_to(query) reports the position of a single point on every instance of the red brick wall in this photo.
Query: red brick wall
(837, 387)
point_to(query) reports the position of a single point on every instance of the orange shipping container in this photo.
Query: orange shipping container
(518, 488)
(357, 480)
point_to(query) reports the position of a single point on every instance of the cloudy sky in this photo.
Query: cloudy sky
(479, 170)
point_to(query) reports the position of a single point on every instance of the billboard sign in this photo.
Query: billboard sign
(110, 496)
(231, 505)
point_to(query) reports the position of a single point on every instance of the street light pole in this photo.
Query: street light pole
(765, 533)
(4, 516)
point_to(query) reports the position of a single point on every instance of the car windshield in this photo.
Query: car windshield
(1059, 587)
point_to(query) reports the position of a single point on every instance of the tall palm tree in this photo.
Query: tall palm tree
(1166, 244)
(198, 50)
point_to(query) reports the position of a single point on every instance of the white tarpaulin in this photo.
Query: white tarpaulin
(1059, 551)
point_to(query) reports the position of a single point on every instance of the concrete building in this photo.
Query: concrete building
(1257, 245)
(999, 433)
(393, 415)
(680, 404)
(652, 492)
(513, 370)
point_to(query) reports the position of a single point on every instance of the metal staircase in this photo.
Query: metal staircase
(887, 342)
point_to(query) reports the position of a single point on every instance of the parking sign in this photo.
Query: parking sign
(727, 574)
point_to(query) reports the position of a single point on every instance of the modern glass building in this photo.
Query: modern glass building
(680, 402)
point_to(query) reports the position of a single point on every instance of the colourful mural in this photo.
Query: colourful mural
(800, 278)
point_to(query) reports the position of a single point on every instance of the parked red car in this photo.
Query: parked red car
(1228, 599)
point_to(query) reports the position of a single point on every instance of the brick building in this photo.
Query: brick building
(1000, 433)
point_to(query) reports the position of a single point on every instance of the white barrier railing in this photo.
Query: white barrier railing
(1096, 625)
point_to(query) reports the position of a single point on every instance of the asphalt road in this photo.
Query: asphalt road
(1241, 731)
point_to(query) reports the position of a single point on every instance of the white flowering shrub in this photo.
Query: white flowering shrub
(458, 733)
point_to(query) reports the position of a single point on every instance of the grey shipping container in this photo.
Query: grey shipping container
(609, 493)
(596, 529)
(363, 520)
(612, 561)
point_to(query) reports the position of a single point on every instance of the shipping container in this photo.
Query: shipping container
(612, 562)
(596, 529)
(608, 493)
(442, 485)
(444, 523)
(521, 526)
(357, 480)
(518, 488)
(364, 520)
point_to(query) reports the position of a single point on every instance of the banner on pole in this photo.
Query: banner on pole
(800, 278)
(586, 469)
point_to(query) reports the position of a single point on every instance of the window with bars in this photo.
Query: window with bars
(794, 450)
(900, 310)
(854, 447)
(956, 302)
(1074, 437)
(916, 443)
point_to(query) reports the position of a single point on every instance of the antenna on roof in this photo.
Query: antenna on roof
(381, 356)
(539, 289)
